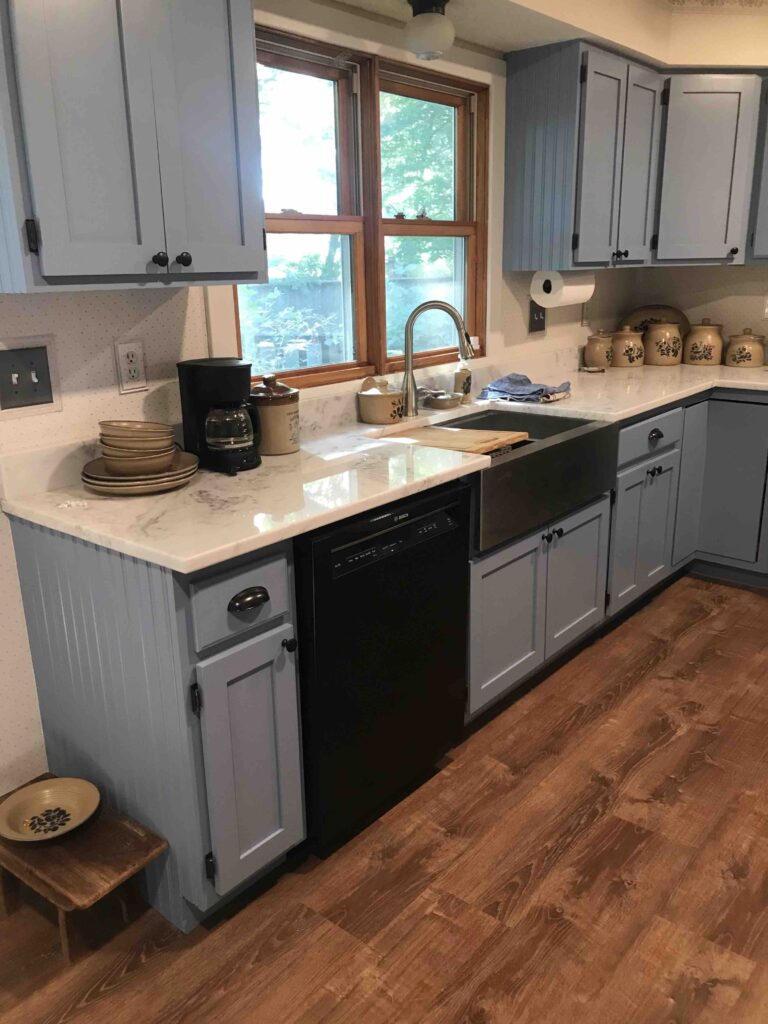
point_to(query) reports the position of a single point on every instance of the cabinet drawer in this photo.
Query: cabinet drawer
(641, 440)
(212, 620)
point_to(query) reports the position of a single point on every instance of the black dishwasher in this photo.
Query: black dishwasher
(383, 608)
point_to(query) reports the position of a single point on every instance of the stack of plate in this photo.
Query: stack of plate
(139, 458)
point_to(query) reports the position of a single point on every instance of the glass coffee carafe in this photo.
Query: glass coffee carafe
(229, 427)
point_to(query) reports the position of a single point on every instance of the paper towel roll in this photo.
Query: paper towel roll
(550, 288)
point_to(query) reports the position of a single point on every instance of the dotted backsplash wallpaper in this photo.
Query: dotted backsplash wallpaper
(85, 326)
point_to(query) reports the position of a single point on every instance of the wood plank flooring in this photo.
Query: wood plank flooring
(596, 854)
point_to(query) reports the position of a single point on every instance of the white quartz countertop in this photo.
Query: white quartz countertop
(216, 517)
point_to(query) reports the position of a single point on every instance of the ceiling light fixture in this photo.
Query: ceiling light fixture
(429, 33)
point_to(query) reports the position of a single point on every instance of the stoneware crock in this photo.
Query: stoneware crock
(598, 352)
(663, 345)
(745, 349)
(627, 348)
(704, 344)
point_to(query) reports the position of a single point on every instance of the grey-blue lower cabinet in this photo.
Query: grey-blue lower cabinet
(734, 482)
(249, 717)
(180, 707)
(532, 598)
(643, 527)
(690, 490)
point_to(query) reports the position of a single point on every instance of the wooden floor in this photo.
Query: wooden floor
(597, 854)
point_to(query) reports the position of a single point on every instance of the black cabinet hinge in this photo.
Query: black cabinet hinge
(33, 235)
(665, 96)
(613, 497)
(654, 243)
(574, 242)
(752, 240)
(210, 867)
(583, 74)
(607, 600)
(264, 236)
(196, 699)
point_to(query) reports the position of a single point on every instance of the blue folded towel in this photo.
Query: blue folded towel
(516, 387)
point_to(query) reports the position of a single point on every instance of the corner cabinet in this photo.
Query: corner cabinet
(533, 598)
(141, 144)
(708, 167)
(583, 130)
(182, 708)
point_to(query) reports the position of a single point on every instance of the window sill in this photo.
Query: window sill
(316, 376)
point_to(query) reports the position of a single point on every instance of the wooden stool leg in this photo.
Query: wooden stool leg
(10, 893)
(65, 936)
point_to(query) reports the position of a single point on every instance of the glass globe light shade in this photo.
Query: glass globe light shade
(429, 35)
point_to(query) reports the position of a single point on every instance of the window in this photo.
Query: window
(375, 191)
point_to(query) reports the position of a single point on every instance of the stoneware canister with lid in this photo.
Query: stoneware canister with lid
(598, 352)
(745, 349)
(278, 408)
(627, 348)
(663, 344)
(704, 344)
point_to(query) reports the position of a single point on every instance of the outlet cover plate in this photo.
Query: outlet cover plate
(131, 369)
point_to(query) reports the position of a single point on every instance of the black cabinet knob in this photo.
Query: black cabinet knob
(161, 259)
(619, 254)
(291, 645)
(655, 435)
(559, 532)
(651, 472)
(548, 537)
(659, 470)
(734, 251)
(248, 599)
(184, 259)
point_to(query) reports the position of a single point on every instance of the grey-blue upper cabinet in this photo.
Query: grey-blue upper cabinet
(140, 141)
(583, 130)
(758, 247)
(707, 170)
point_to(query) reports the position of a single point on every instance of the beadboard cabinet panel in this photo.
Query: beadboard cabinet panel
(708, 167)
(690, 490)
(640, 165)
(85, 87)
(204, 64)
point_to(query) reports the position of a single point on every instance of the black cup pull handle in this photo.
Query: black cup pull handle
(161, 259)
(248, 599)
(184, 259)
(655, 434)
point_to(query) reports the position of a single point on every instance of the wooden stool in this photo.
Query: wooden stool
(78, 869)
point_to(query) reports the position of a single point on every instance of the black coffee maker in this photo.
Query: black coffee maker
(221, 426)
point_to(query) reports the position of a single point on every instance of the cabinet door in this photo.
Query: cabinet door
(639, 165)
(252, 753)
(577, 565)
(690, 489)
(734, 481)
(600, 155)
(204, 62)
(85, 86)
(507, 610)
(643, 526)
(708, 165)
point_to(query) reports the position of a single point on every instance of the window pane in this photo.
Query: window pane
(418, 269)
(298, 142)
(304, 316)
(418, 157)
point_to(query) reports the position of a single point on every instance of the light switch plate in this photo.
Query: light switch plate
(131, 369)
(25, 377)
(537, 318)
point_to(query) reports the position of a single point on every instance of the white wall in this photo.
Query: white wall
(85, 325)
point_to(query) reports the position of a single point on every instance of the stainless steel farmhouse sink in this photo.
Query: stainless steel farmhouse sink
(565, 463)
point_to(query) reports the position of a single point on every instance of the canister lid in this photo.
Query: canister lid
(706, 322)
(272, 392)
(747, 334)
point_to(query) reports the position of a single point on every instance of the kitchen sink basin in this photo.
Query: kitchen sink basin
(566, 463)
(537, 425)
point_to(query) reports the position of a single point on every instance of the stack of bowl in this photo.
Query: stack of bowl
(139, 457)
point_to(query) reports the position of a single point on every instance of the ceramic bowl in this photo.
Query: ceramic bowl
(138, 464)
(47, 809)
(449, 400)
(640, 319)
(140, 443)
(132, 428)
(378, 403)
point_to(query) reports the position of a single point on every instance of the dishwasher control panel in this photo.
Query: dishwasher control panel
(390, 542)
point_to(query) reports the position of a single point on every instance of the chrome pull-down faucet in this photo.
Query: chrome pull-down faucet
(410, 400)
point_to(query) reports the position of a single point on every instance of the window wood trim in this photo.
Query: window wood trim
(366, 227)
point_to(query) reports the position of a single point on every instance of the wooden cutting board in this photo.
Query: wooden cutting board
(480, 442)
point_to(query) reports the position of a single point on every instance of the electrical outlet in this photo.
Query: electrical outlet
(131, 370)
